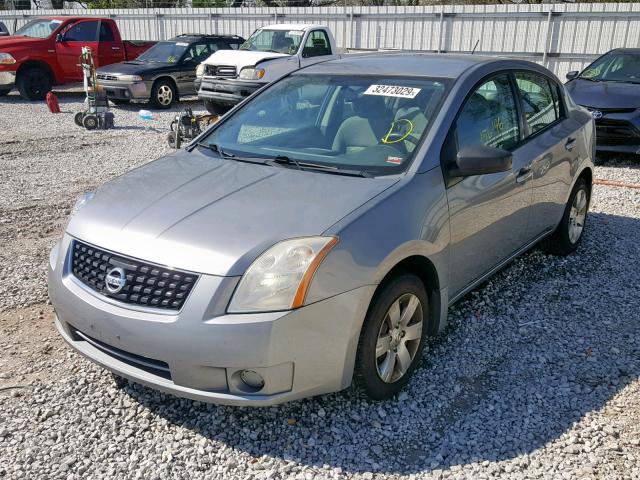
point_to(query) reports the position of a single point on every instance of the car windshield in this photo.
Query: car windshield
(358, 123)
(164, 52)
(614, 67)
(39, 28)
(279, 41)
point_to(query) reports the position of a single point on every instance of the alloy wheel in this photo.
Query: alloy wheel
(577, 216)
(165, 95)
(399, 338)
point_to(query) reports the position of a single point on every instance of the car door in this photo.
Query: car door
(83, 33)
(489, 213)
(317, 48)
(552, 143)
(110, 50)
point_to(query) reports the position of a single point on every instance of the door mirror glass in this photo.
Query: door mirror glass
(60, 38)
(481, 160)
(572, 74)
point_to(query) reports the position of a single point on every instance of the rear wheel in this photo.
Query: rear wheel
(392, 337)
(78, 117)
(568, 235)
(163, 94)
(34, 83)
(4, 92)
(216, 108)
(90, 122)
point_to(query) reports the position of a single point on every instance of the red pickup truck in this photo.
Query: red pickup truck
(45, 52)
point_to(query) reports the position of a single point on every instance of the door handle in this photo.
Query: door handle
(525, 174)
(571, 142)
(115, 48)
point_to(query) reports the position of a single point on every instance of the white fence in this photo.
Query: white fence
(563, 37)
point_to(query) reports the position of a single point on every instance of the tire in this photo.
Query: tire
(379, 371)
(216, 108)
(163, 94)
(4, 92)
(120, 101)
(34, 83)
(77, 118)
(90, 122)
(566, 238)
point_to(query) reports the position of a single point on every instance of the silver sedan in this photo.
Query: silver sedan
(318, 233)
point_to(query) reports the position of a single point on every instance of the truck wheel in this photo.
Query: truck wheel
(216, 108)
(174, 139)
(163, 94)
(4, 92)
(90, 122)
(34, 83)
(78, 117)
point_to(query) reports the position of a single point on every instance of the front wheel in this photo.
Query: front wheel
(566, 238)
(216, 108)
(34, 83)
(392, 337)
(163, 94)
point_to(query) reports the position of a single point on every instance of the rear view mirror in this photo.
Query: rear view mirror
(60, 38)
(481, 160)
(572, 74)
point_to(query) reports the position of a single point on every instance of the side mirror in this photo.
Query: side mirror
(572, 74)
(481, 160)
(60, 38)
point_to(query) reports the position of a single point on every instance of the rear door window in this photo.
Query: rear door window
(106, 32)
(539, 105)
(489, 116)
(317, 44)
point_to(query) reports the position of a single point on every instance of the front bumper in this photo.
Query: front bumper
(199, 352)
(227, 91)
(7, 80)
(117, 90)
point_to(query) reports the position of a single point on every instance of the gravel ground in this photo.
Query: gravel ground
(537, 376)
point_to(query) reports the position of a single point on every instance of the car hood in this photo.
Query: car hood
(133, 67)
(204, 214)
(604, 94)
(240, 58)
(13, 41)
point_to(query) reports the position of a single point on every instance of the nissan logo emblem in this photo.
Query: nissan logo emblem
(115, 280)
(596, 114)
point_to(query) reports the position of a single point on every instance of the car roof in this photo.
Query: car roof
(291, 26)
(625, 50)
(194, 37)
(393, 64)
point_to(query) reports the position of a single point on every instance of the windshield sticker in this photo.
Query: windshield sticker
(394, 160)
(182, 44)
(392, 91)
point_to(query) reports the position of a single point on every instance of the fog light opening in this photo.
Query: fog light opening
(252, 379)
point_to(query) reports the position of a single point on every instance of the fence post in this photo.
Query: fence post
(351, 28)
(547, 37)
(441, 29)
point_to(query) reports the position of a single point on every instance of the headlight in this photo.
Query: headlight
(7, 59)
(200, 70)
(251, 73)
(81, 202)
(279, 278)
(130, 78)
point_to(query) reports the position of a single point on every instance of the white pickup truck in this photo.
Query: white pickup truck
(229, 76)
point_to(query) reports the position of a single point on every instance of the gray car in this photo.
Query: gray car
(318, 232)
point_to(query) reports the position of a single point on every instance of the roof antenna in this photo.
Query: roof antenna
(475, 46)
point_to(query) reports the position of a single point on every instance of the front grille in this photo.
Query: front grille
(221, 70)
(145, 284)
(616, 132)
(150, 365)
(103, 76)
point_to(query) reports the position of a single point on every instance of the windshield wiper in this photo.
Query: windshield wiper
(284, 160)
(215, 148)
